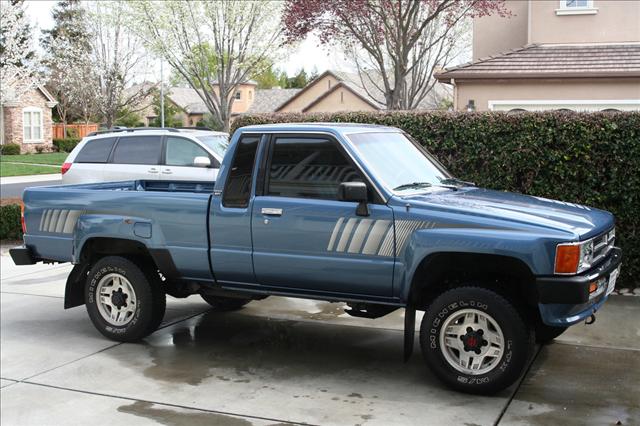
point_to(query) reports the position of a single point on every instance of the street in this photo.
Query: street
(12, 187)
(284, 361)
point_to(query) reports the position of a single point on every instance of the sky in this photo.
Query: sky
(307, 55)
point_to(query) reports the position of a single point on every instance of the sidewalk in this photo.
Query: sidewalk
(31, 178)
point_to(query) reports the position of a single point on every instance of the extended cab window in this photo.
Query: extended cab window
(182, 152)
(309, 168)
(237, 190)
(96, 151)
(138, 150)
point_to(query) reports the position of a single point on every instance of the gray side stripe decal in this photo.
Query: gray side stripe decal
(346, 234)
(358, 236)
(375, 236)
(59, 221)
(334, 234)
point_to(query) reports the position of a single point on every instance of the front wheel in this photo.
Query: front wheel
(474, 340)
(125, 302)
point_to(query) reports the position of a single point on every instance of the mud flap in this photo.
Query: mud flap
(74, 290)
(409, 331)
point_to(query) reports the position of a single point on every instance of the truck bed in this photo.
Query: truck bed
(169, 215)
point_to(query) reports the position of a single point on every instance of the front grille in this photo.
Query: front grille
(602, 244)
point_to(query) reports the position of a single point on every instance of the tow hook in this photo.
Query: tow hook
(590, 320)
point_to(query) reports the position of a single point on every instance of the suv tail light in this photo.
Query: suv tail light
(22, 222)
(65, 168)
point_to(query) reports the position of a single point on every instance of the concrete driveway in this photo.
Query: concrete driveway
(282, 361)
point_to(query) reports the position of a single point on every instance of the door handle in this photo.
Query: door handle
(152, 170)
(167, 171)
(271, 212)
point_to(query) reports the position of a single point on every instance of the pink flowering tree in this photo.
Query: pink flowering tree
(395, 44)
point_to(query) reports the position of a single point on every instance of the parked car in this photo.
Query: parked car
(351, 213)
(146, 153)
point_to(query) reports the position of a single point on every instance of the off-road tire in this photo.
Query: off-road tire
(225, 304)
(151, 299)
(517, 339)
(546, 333)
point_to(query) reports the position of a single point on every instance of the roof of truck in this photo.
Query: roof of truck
(342, 128)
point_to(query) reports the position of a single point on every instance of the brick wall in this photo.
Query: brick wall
(13, 132)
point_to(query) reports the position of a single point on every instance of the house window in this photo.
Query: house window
(576, 7)
(237, 96)
(32, 125)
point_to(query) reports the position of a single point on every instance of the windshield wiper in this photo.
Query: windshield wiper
(456, 181)
(413, 185)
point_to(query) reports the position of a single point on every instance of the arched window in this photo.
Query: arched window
(610, 110)
(32, 125)
(516, 111)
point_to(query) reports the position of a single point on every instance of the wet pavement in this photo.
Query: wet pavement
(282, 361)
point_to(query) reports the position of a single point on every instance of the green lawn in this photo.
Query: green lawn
(10, 169)
(55, 158)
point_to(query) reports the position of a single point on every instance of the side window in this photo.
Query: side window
(96, 151)
(237, 190)
(309, 168)
(138, 150)
(182, 152)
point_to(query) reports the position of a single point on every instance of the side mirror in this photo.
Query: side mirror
(355, 191)
(202, 162)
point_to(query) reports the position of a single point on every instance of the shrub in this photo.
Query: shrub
(10, 149)
(65, 145)
(40, 149)
(10, 227)
(586, 158)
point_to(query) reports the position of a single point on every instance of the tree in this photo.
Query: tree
(116, 58)
(214, 45)
(171, 112)
(19, 67)
(68, 58)
(396, 44)
(268, 77)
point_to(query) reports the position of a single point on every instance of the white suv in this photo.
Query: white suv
(146, 154)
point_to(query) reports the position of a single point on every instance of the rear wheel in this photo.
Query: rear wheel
(125, 302)
(225, 304)
(474, 340)
(546, 333)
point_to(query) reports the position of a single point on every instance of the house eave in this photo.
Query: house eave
(447, 77)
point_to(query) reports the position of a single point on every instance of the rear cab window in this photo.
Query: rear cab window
(237, 189)
(138, 150)
(95, 151)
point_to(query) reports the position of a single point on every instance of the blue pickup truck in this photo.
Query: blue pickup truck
(350, 213)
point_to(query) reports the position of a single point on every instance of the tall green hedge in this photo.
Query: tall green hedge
(586, 158)
(10, 227)
(66, 145)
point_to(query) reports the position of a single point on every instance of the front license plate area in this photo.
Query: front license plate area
(612, 280)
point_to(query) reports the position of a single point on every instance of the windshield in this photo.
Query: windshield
(397, 162)
(217, 143)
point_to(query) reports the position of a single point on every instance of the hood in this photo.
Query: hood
(581, 221)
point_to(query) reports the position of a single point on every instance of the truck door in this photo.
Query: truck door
(304, 237)
(230, 217)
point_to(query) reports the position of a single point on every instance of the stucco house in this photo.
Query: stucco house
(332, 91)
(26, 121)
(579, 55)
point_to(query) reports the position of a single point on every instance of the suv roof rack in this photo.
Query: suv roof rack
(131, 129)
(194, 127)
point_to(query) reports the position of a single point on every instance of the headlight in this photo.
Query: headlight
(573, 258)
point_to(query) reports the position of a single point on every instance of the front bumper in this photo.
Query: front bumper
(564, 300)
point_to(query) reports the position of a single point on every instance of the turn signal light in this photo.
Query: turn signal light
(593, 286)
(65, 168)
(567, 258)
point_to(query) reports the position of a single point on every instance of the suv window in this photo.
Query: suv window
(237, 190)
(95, 151)
(138, 150)
(182, 152)
(309, 168)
